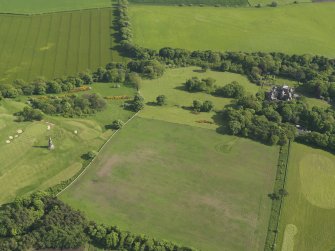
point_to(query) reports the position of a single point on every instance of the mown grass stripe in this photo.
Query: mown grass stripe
(45, 53)
(38, 34)
(24, 48)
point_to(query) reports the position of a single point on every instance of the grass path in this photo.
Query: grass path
(101, 148)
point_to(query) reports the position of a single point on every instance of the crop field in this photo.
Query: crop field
(171, 85)
(294, 29)
(43, 6)
(206, 2)
(27, 165)
(181, 183)
(309, 209)
(54, 45)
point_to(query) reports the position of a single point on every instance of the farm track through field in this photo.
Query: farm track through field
(92, 161)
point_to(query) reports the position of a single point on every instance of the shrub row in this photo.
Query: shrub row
(277, 198)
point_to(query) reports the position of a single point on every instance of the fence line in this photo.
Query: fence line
(101, 148)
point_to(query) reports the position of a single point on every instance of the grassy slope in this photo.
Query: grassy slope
(310, 205)
(43, 6)
(171, 86)
(181, 183)
(303, 28)
(26, 165)
(54, 45)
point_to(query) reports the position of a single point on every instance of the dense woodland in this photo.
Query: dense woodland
(41, 221)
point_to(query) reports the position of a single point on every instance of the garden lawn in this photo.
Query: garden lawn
(43, 6)
(309, 210)
(293, 29)
(55, 45)
(171, 85)
(181, 183)
(26, 163)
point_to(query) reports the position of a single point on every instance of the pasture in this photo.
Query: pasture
(171, 85)
(55, 45)
(43, 6)
(309, 210)
(26, 163)
(181, 183)
(293, 29)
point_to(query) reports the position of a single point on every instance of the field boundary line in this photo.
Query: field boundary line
(53, 12)
(276, 207)
(100, 149)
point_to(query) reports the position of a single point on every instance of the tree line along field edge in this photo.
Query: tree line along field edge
(57, 44)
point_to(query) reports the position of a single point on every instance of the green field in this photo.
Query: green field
(309, 209)
(171, 86)
(43, 6)
(26, 164)
(54, 45)
(181, 183)
(191, 2)
(279, 2)
(293, 29)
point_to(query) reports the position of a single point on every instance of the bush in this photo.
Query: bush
(274, 4)
(30, 114)
(206, 106)
(117, 124)
(232, 90)
(194, 84)
(137, 103)
(91, 154)
(161, 100)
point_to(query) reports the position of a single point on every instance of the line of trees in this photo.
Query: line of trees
(231, 90)
(41, 221)
(69, 105)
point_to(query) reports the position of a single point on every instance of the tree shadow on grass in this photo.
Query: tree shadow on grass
(42, 147)
(151, 104)
(180, 88)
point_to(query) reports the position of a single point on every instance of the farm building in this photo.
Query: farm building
(285, 93)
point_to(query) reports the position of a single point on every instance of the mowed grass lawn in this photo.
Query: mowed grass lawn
(55, 45)
(27, 165)
(309, 210)
(294, 29)
(181, 183)
(171, 85)
(42, 6)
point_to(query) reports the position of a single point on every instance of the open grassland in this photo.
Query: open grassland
(181, 183)
(171, 85)
(54, 45)
(294, 29)
(309, 209)
(43, 6)
(27, 165)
